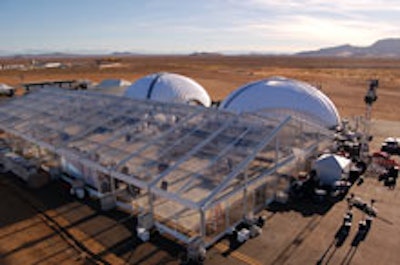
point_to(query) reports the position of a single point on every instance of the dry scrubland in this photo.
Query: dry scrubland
(343, 80)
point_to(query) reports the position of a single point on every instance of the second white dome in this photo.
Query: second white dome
(169, 87)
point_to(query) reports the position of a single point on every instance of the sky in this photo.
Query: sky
(185, 26)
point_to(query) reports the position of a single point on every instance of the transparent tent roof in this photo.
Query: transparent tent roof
(203, 154)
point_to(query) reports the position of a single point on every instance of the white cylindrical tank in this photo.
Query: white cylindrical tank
(169, 87)
(284, 95)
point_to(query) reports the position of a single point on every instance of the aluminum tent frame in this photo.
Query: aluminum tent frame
(183, 161)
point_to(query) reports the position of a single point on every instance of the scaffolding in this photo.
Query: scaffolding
(188, 171)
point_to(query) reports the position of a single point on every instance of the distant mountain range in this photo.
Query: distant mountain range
(385, 48)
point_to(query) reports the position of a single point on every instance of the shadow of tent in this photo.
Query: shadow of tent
(305, 208)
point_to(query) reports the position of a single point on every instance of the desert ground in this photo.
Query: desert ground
(47, 226)
(344, 80)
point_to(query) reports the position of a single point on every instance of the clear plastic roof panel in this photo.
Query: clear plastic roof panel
(194, 153)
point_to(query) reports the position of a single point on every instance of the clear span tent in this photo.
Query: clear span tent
(191, 172)
(169, 87)
(330, 168)
(289, 96)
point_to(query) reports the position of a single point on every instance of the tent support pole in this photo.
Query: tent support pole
(276, 168)
(202, 223)
(245, 208)
(151, 205)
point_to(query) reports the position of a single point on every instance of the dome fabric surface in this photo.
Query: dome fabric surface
(284, 95)
(169, 87)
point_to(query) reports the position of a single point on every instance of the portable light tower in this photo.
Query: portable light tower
(369, 99)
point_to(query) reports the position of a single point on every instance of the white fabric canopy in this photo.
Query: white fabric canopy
(284, 95)
(169, 87)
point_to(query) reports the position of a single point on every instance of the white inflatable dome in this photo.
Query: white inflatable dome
(284, 95)
(169, 87)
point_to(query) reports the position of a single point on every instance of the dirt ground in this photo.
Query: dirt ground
(345, 81)
(47, 226)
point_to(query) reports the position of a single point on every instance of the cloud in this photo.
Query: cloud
(332, 6)
(311, 32)
(295, 25)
